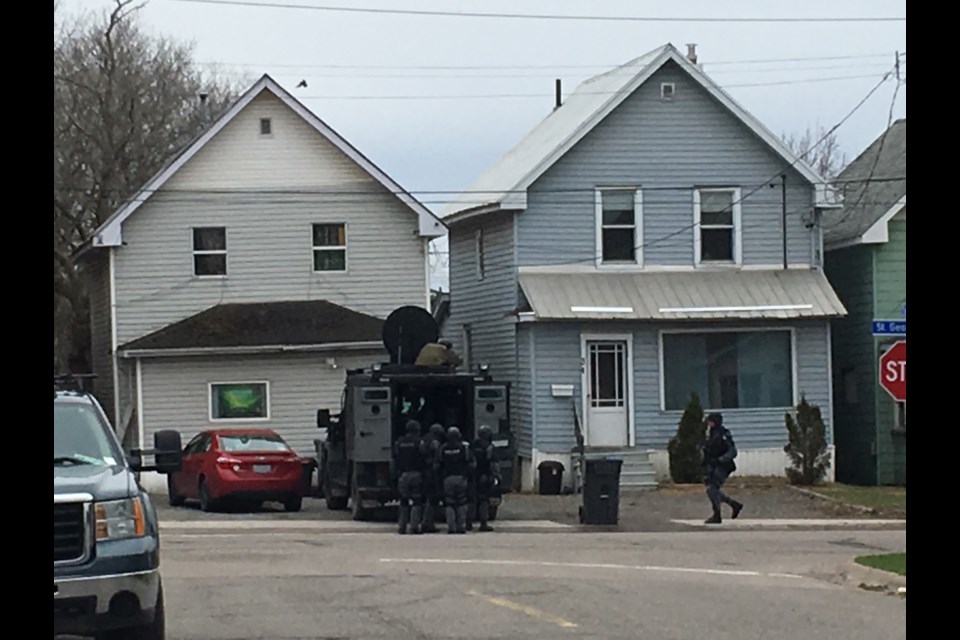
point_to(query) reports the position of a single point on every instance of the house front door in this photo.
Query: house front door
(607, 402)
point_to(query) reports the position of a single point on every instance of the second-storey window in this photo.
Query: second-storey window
(619, 213)
(209, 251)
(329, 247)
(717, 219)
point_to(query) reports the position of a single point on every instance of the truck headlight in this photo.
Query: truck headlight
(119, 519)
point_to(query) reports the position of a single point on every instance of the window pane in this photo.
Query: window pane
(210, 239)
(728, 370)
(716, 217)
(618, 244)
(210, 265)
(329, 235)
(232, 401)
(716, 244)
(618, 200)
(330, 260)
(252, 442)
(618, 217)
(713, 201)
(684, 369)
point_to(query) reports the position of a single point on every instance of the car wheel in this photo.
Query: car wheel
(293, 504)
(156, 630)
(207, 503)
(172, 496)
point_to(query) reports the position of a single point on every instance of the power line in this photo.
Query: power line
(534, 16)
(529, 66)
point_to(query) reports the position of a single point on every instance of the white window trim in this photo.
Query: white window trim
(663, 91)
(210, 387)
(346, 253)
(630, 394)
(637, 227)
(480, 253)
(794, 368)
(737, 227)
(209, 252)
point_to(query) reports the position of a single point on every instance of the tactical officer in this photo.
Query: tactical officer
(486, 476)
(719, 451)
(454, 465)
(409, 465)
(438, 353)
(433, 484)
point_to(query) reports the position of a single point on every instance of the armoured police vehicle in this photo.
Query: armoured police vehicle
(354, 458)
(106, 542)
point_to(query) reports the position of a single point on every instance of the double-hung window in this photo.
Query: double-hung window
(329, 247)
(717, 227)
(619, 226)
(209, 251)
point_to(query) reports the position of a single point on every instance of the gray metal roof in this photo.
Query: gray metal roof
(866, 202)
(680, 295)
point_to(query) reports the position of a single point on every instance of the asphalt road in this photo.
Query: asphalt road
(244, 577)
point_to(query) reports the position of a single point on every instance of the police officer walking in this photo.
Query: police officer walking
(454, 465)
(409, 465)
(433, 483)
(719, 451)
(486, 475)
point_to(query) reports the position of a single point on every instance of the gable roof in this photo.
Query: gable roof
(503, 185)
(263, 326)
(875, 190)
(109, 233)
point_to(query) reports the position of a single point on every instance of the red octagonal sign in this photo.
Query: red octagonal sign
(893, 371)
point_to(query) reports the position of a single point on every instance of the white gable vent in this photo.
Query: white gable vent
(666, 91)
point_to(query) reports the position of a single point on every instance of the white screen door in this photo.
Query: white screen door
(606, 384)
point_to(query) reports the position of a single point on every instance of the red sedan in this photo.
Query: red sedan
(249, 465)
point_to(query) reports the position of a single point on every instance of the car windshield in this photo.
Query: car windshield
(80, 437)
(252, 442)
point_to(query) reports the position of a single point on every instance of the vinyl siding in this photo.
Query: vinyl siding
(269, 238)
(849, 271)
(558, 361)
(486, 304)
(96, 278)
(176, 392)
(660, 146)
(890, 277)
(522, 392)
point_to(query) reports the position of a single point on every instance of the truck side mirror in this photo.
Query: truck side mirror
(323, 418)
(168, 450)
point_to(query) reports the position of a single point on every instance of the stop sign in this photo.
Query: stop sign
(893, 371)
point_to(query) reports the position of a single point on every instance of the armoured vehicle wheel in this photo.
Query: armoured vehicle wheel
(173, 498)
(336, 504)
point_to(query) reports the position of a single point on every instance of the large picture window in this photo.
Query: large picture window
(239, 401)
(728, 370)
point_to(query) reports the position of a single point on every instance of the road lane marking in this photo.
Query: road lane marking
(743, 523)
(533, 612)
(256, 524)
(591, 565)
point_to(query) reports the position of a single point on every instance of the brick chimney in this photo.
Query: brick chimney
(692, 53)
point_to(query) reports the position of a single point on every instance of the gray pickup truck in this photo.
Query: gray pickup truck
(106, 563)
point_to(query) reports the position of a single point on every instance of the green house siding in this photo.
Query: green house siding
(890, 277)
(854, 372)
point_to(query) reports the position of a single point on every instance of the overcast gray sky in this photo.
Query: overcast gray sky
(375, 77)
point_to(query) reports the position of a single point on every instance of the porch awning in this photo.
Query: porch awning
(680, 295)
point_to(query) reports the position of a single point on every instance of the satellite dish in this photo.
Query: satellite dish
(406, 331)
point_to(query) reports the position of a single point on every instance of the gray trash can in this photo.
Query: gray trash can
(551, 477)
(601, 491)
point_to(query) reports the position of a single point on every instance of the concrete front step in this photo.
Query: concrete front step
(636, 472)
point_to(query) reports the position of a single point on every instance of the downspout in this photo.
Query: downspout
(113, 341)
(783, 200)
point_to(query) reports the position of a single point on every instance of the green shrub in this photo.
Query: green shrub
(686, 459)
(807, 445)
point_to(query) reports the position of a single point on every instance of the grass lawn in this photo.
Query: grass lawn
(884, 499)
(892, 562)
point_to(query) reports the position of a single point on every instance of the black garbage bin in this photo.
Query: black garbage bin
(551, 477)
(601, 491)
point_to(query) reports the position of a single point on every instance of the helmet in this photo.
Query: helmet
(453, 435)
(446, 343)
(413, 428)
(436, 430)
(716, 418)
(485, 433)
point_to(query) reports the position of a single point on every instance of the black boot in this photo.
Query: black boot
(483, 511)
(714, 519)
(737, 508)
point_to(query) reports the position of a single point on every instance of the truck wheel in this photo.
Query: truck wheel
(173, 497)
(153, 631)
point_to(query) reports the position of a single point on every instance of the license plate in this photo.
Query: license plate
(261, 468)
